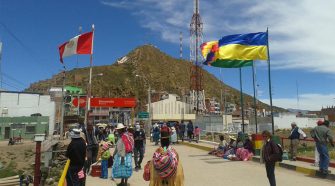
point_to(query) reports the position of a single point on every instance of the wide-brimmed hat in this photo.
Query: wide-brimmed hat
(120, 126)
(232, 137)
(75, 133)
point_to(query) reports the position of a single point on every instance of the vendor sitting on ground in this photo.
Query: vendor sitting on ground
(246, 152)
(221, 147)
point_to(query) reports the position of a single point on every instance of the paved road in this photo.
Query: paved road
(201, 169)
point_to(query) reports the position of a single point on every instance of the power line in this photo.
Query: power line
(13, 79)
(24, 46)
(16, 88)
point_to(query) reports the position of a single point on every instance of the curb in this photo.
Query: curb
(310, 160)
(307, 171)
(304, 170)
(196, 146)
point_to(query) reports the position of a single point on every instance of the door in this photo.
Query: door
(7, 132)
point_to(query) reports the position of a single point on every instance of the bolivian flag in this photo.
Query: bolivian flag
(234, 51)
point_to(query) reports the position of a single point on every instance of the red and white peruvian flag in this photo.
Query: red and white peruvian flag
(81, 44)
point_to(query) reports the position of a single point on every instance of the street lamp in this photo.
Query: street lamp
(149, 98)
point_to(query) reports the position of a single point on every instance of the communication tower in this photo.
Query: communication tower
(196, 33)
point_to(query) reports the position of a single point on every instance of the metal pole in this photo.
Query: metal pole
(88, 100)
(242, 105)
(78, 105)
(37, 172)
(269, 74)
(254, 86)
(80, 30)
(149, 105)
(61, 132)
(0, 65)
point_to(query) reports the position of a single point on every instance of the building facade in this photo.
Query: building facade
(25, 127)
(18, 104)
(170, 108)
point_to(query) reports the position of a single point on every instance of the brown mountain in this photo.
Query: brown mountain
(163, 72)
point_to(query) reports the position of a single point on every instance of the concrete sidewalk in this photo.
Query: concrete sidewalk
(298, 166)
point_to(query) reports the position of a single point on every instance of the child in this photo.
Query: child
(197, 133)
(104, 161)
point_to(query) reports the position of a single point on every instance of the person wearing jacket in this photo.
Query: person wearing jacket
(190, 130)
(296, 132)
(76, 152)
(270, 156)
(139, 138)
(322, 135)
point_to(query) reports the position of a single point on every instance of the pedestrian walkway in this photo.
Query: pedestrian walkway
(298, 166)
(202, 169)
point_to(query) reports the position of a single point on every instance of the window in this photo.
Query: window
(17, 126)
(30, 129)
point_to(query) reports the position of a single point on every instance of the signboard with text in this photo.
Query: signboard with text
(106, 102)
(143, 115)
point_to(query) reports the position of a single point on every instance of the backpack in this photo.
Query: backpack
(280, 155)
(128, 141)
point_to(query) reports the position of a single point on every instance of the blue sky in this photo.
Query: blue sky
(301, 42)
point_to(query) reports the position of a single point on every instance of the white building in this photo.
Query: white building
(15, 104)
(171, 109)
(284, 120)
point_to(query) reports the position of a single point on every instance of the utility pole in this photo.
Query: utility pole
(149, 105)
(0, 65)
(61, 133)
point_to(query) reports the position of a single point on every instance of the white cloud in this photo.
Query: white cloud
(118, 4)
(306, 101)
(301, 32)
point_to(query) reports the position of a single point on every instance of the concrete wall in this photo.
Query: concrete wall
(25, 104)
(213, 123)
(173, 117)
(284, 121)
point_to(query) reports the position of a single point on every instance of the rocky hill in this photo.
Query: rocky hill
(163, 72)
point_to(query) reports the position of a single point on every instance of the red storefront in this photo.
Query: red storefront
(109, 110)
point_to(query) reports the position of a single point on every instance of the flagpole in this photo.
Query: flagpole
(242, 105)
(78, 96)
(269, 74)
(61, 132)
(0, 65)
(89, 94)
(254, 86)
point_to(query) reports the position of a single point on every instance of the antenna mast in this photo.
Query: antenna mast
(196, 33)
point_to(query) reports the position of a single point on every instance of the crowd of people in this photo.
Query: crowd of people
(178, 132)
(116, 147)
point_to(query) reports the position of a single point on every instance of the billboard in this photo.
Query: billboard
(107, 102)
